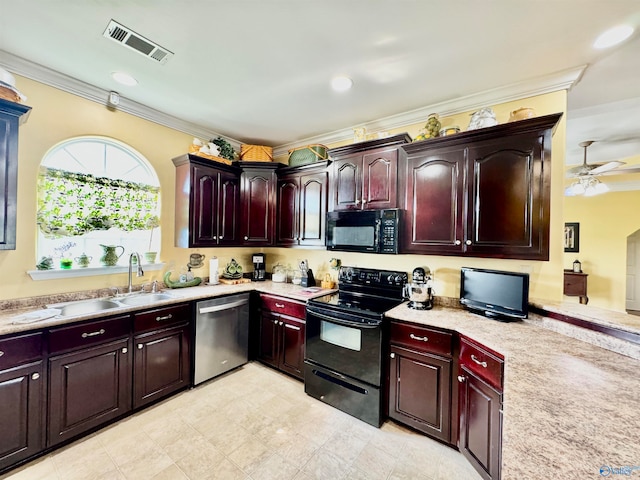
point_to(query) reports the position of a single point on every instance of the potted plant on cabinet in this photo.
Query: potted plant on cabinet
(152, 223)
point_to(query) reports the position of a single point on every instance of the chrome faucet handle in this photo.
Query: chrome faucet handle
(154, 286)
(142, 287)
(115, 291)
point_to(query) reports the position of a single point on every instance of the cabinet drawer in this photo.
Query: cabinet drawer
(89, 333)
(485, 364)
(161, 317)
(421, 338)
(283, 305)
(17, 350)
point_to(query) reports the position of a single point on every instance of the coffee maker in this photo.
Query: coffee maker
(259, 267)
(420, 290)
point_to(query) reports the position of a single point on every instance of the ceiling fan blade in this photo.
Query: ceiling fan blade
(584, 169)
(606, 167)
(622, 171)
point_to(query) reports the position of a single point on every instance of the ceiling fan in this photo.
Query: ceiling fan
(585, 182)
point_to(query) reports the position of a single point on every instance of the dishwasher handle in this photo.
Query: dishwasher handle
(223, 306)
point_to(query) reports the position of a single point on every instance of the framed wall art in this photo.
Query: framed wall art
(571, 237)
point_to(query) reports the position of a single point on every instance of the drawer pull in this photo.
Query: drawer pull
(280, 305)
(393, 355)
(140, 346)
(461, 379)
(35, 376)
(1, 353)
(93, 334)
(422, 339)
(475, 359)
(166, 317)
(125, 350)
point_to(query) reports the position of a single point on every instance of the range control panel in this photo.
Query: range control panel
(373, 277)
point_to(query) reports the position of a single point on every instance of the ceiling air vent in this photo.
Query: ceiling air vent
(127, 37)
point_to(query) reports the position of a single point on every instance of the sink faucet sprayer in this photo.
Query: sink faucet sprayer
(140, 271)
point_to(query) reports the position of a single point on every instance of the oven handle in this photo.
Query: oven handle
(345, 323)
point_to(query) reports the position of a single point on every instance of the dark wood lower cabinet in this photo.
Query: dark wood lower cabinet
(282, 328)
(480, 424)
(161, 364)
(88, 388)
(21, 412)
(420, 391)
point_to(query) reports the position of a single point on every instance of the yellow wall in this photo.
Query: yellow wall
(605, 223)
(57, 115)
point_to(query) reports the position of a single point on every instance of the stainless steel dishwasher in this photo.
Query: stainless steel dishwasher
(222, 336)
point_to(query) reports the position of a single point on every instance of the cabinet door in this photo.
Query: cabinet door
(228, 209)
(347, 183)
(87, 388)
(268, 350)
(161, 364)
(435, 202)
(10, 113)
(287, 230)
(420, 391)
(22, 413)
(480, 424)
(204, 215)
(508, 214)
(380, 179)
(313, 208)
(292, 349)
(258, 206)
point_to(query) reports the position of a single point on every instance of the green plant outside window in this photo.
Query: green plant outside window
(71, 204)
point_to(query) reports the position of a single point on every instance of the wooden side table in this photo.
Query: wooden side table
(575, 285)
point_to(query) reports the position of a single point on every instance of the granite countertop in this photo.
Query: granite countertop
(26, 306)
(570, 407)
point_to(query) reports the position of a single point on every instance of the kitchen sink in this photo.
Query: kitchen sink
(86, 307)
(145, 299)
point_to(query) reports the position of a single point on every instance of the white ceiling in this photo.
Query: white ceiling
(259, 71)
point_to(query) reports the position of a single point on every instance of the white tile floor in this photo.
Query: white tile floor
(252, 424)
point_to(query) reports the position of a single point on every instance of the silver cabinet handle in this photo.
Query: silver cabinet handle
(275, 322)
(357, 201)
(246, 238)
(220, 237)
(280, 323)
(1, 353)
(458, 242)
(468, 242)
(35, 376)
(280, 305)
(125, 350)
(140, 346)
(461, 378)
(166, 317)
(215, 238)
(93, 334)
(364, 201)
(422, 339)
(393, 355)
(475, 359)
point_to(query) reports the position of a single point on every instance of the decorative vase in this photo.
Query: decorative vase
(109, 257)
(65, 263)
(83, 260)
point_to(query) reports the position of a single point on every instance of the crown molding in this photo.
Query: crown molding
(557, 81)
(562, 80)
(47, 76)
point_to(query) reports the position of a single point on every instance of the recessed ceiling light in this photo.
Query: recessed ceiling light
(341, 83)
(613, 36)
(124, 79)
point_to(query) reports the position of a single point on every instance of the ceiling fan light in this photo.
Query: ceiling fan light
(341, 83)
(124, 79)
(613, 36)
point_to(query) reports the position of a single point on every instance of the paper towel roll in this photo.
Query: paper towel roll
(213, 271)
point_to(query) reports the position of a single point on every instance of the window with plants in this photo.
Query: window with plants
(95, 192)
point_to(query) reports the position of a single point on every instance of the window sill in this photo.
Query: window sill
(89, 271)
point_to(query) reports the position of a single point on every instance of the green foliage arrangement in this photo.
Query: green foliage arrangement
(226, 150)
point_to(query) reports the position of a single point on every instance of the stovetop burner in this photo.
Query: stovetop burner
(364, 291)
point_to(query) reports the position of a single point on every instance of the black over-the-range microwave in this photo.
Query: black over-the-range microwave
(367, 231)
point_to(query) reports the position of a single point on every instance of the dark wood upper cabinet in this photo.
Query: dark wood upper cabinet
(483, 193)
(258, 203)
(207, 203)
(11, 116)
(365, 175)
(302, 205)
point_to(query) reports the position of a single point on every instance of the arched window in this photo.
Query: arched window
(95, 191)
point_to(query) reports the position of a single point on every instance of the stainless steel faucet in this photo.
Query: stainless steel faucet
(140, 271)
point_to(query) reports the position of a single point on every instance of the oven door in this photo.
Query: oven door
(345, 343)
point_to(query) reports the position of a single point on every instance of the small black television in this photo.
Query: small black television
(495, 294)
